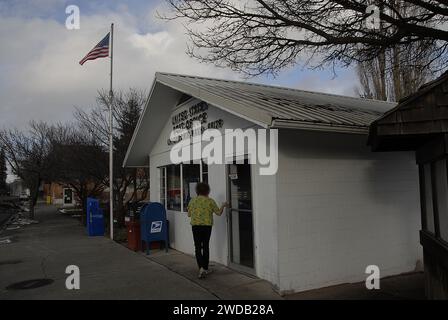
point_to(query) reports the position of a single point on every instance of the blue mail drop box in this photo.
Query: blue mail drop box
(95, 218)
(153, 224)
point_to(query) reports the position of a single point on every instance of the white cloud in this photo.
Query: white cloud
(154, 44)
(344, 83)
(40, 77)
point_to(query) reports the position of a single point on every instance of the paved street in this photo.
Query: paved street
(4, 216)
(5, 210)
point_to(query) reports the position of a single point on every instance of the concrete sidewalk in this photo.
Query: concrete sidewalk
(409, 286)
(108, 270)
(227, 284)
(223, 283)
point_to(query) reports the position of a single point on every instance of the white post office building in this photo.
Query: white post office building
(332, 208)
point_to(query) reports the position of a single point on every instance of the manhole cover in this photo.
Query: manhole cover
(4, 262)
(30, 284)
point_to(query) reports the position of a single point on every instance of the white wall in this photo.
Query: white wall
(264, 193)
(264, 204)
(341, 208)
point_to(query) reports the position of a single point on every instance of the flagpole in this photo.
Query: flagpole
(111, 140)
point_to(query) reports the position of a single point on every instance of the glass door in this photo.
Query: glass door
(241, 233)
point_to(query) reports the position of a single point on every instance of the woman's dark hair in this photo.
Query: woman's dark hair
(202, 189)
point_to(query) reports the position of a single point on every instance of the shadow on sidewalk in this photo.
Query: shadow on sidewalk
(223, 282)
(410, 286)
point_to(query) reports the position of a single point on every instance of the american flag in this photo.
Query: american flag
(101, 50)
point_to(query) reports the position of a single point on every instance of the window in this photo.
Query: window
(178, 184)
(163, 186)
(191, 175)
(173, 194)
(428, 200)
(441, 185)
(204, 167)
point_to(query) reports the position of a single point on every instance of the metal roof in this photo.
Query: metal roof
(267, 106)
(273, 106)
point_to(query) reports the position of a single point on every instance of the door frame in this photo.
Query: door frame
(235, 266)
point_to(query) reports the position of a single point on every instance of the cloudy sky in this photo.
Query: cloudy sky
(40, 77)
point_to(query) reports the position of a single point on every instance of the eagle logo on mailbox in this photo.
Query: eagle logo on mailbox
(156, 226)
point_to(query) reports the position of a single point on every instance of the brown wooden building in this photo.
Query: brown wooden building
(56, 193)
(420, 123)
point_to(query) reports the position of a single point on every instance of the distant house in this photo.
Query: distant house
(56, 193)
(332, 208)
(17, 188)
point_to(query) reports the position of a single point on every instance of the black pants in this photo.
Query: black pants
(201, 236)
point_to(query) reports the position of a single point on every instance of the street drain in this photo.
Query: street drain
(30, 284)
(4, 262)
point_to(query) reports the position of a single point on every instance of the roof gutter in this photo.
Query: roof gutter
(315, 126)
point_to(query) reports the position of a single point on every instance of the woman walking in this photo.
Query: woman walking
(201, 209)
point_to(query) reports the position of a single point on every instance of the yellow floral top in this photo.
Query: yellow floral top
(201, 210)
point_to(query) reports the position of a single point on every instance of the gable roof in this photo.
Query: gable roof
(267, 106)
(425, 88)
(414, 119)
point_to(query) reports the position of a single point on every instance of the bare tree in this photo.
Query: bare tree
(80, 162)
(386, 78)
(3, 172)
(265, 36)
(372, 79)
(127, 108)
(27, 153)
(396, 72)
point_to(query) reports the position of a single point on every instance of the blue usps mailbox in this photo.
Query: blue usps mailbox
(95, 218)
(153, 224)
